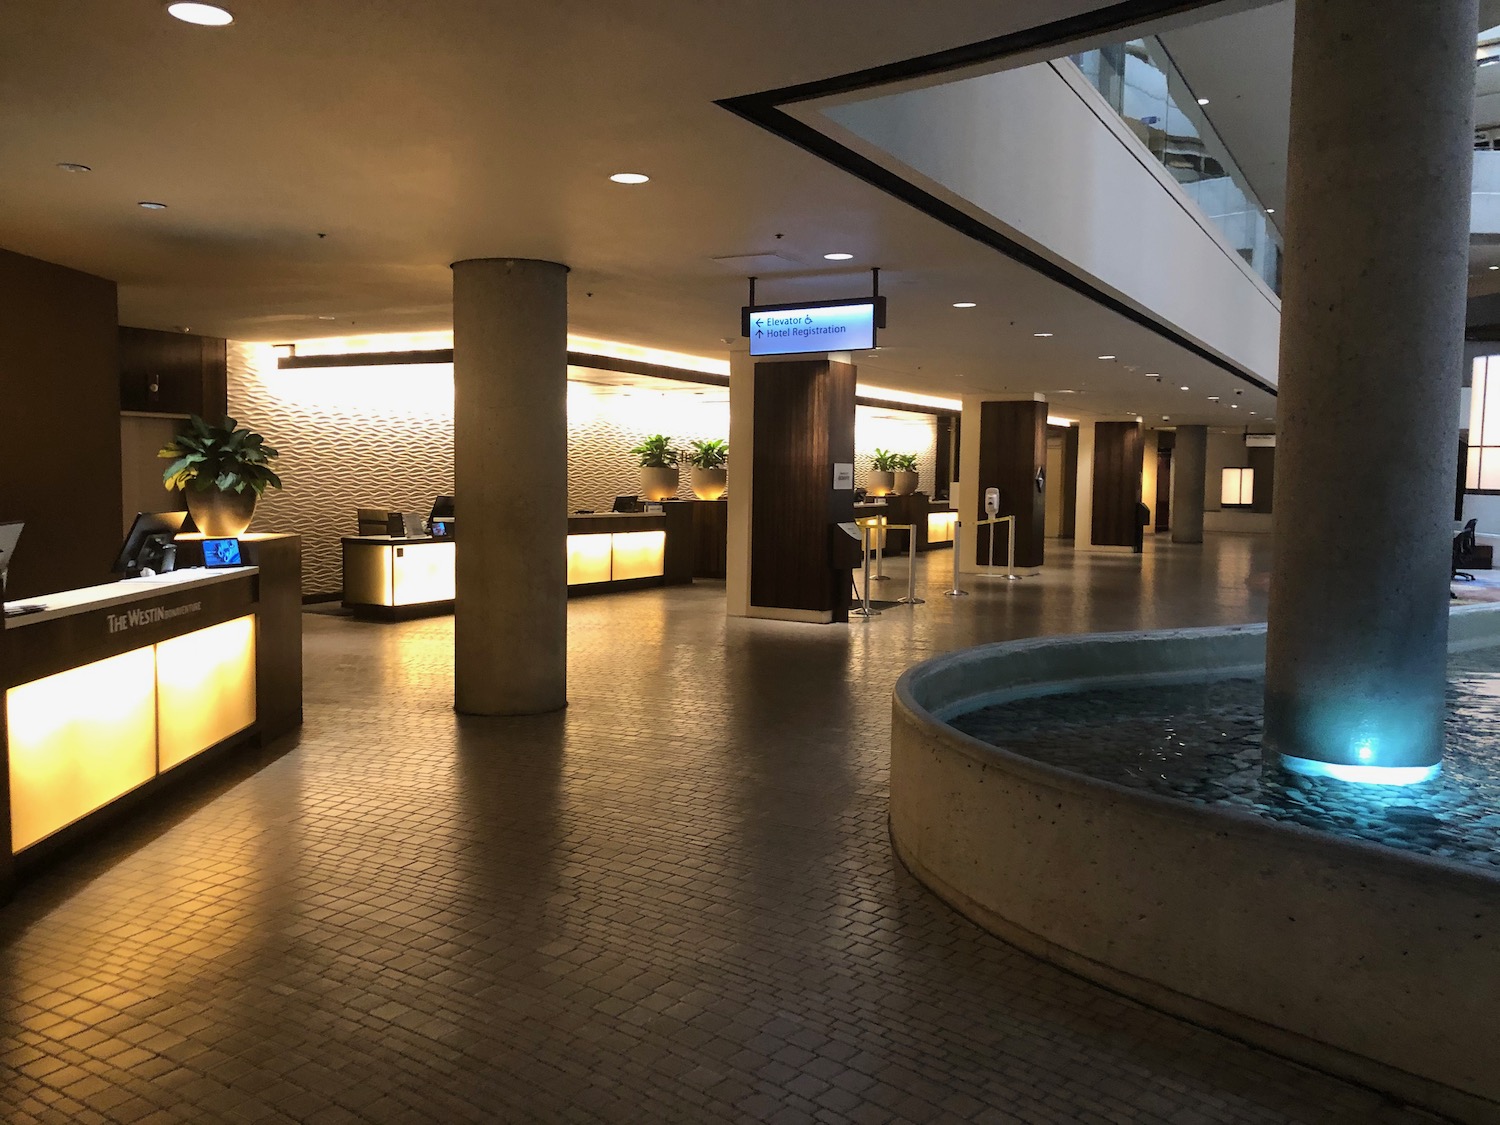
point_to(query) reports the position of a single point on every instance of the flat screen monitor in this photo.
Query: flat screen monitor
(626, 503)
(9, 534)
(218, 553)
(145, 541)
(442, 509)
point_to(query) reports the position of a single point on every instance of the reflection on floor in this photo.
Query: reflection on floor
(674, 902)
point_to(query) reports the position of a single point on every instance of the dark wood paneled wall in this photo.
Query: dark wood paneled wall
(946, 454)
(173, 373)
(1263, 461)
(804, 424)
(59, 423)
(1012, 448)
(1118, 448)
(1070, 484)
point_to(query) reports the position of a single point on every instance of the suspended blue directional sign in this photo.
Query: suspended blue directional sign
(834, 326)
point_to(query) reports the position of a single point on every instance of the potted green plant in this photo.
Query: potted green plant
(906, 478)
(882, 479)
(658, 467)
(222, 471)
(708, 475)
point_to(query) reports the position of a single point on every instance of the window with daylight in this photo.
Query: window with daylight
(1484, 427)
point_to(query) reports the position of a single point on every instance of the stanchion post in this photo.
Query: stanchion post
(957, 546)
(911, 568)
(1010, 551)
(863, 611)
(881, 527)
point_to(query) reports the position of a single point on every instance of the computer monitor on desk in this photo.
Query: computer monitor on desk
(149, 544)
(9, 534)
(626, 504)
(440, 522)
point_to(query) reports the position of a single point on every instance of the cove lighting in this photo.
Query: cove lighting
(913, 398)
(152, 205)
(204, 15)
(1367, 775)
(1055, 420)
(630, 178)
(963, 304)
(838, 257)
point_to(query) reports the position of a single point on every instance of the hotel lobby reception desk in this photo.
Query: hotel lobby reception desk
(112, 690)
(391, 576)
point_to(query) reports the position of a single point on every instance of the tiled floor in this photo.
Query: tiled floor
(674, 902)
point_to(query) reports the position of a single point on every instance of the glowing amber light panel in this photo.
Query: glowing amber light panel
(79, 740)
(1237, 488)
(588, 559)
(423, 573)
(940, 526)
(638, 554)
(205, 689)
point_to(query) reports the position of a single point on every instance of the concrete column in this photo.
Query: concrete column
(1189, 467)
(1378, 178)
(510, 469)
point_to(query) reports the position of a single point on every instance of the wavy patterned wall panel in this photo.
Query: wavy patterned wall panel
(382, 437)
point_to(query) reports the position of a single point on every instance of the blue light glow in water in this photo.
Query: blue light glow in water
(1365, 775)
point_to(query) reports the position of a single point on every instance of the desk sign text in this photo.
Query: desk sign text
(150, 615)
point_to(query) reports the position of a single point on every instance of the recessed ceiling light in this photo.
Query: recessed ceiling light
(630, 178)
(327, 318)
(840, 257)
(151, 205)
(1213, 398)
(1495, 267)
(1202, 101)
(1234, 406)
(1042, 335)
(204, 15)
(963, 304)
(1106, 357)
(1166, 417)
(69, 166)
(1270, 210)
(1153, 375)
(1252, 412)
(1183, 388)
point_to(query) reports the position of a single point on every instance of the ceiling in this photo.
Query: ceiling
(330, 159)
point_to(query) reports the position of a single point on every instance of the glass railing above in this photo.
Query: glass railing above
(1140, 83)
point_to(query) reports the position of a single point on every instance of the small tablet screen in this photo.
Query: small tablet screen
(221, 552)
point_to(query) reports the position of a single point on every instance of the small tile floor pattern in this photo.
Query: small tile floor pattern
(676, 901)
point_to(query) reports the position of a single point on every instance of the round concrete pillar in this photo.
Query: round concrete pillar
(510, 470)
(1189, 465)
(1378, 179)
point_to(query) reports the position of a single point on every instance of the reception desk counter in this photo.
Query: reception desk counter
(110, 689)
(392, 576)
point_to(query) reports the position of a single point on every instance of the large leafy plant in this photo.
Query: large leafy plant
(905, 462)
(225, 457)
(711, 454)
(884, 462)
(656, 452)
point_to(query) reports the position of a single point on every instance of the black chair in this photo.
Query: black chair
(1463, 547)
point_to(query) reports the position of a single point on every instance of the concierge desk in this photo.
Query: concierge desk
(394, 577)
(112, 691)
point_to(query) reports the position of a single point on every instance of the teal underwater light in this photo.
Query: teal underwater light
(1366, 775)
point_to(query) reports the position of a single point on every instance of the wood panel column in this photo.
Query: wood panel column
(801, 423)
(1006, 448)
(1116, 484)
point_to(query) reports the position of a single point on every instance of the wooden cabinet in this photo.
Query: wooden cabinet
(173, 373)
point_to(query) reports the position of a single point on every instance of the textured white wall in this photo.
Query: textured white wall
(382, 437)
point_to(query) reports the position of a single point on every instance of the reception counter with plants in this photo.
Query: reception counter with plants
(111, 692)
(394, 577)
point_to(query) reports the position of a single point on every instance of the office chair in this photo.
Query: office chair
(1463, 547)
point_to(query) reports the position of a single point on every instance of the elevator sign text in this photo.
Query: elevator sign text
(831, 328)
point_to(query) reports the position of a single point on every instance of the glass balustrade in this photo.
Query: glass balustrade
(1140, 83)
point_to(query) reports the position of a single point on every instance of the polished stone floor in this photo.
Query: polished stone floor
(676, 901)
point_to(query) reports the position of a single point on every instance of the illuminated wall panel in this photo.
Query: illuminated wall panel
(638, 554)
(78, 740)
(1237, 488)
(588, 558)
(1483, 473)
(940, 526)
(423, 574)
(205, 689)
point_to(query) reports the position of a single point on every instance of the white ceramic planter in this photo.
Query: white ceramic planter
(708, 484)
(658, 484)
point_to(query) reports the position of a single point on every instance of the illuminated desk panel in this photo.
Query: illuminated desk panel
(205, 689)
(940, 526)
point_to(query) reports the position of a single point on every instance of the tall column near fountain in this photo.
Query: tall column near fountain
(1378, 186)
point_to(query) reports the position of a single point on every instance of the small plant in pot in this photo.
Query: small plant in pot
(905, 474)
(882, 481)
(658, 467)
(708, 475)
(222, 471)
